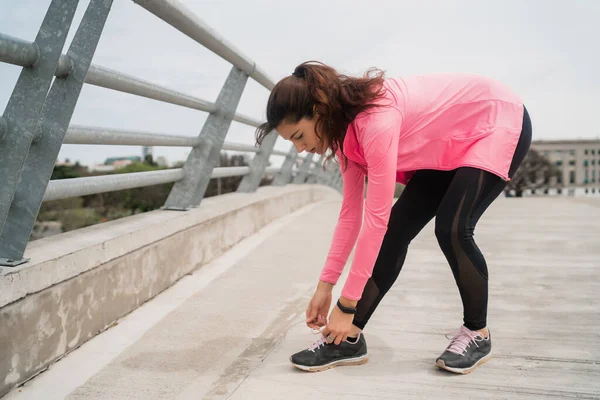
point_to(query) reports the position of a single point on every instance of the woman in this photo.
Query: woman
(454, 140)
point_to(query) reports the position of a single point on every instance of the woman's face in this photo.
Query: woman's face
(302, 134)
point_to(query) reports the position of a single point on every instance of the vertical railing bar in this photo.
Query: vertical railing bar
(258, 164)
(285, 175)
(198, 167)
(315, 171)
(304, 168)
(25, 104)
(54, 121)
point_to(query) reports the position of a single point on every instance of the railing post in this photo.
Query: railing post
(315, 171)
(323, 175)
(25, 104)
(285, 175)
(304, 168)
(257, 167)
(201, 161)
(313, 177)
(49, 135)
(331, 181)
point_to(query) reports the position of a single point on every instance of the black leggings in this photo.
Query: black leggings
(457, 199)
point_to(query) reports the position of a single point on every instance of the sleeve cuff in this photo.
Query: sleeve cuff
(332, 271)
(354, 286)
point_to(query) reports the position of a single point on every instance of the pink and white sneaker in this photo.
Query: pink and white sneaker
(467, 350)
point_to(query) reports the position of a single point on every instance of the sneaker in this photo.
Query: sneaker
(467, 351)
(322, 355)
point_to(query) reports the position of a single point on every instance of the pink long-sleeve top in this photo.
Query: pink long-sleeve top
(440, 122)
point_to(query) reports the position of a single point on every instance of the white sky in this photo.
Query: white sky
(548, 51)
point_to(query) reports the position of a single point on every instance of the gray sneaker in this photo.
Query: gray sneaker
(321, 355)
(467, 351)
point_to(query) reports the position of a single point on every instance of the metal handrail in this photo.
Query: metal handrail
(17, 51)
(183, 19)
(66, 188)
(74, 187)
(25, 54)
(115, 80)
(78, 134)
(110, 79)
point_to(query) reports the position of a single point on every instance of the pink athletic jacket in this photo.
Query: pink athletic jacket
(439, 122)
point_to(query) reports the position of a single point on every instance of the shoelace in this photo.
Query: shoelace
(461, 341)
(321, 342)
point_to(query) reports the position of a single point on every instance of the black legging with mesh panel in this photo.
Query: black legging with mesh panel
(457, 199)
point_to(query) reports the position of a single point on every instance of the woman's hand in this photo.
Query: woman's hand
(340, 324)
(318, 307)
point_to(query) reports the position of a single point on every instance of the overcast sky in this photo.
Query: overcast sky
(548, 51)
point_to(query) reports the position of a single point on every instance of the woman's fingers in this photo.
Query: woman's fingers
(330, 335)
(311, 314)
(333, 336)
(338, 339)
(314, 319)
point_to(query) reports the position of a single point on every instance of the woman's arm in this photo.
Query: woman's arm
(348, 225)
(379, 141)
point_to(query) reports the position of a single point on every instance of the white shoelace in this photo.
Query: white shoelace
(321, 342)
(463, 339)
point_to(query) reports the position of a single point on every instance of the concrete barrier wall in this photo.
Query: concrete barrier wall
(79, 283)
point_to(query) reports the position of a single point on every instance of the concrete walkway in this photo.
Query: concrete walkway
(227, 330)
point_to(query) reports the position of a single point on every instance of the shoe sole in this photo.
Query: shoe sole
(463, 371)
(345, 362)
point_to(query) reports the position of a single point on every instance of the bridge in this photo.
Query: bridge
(204, 298)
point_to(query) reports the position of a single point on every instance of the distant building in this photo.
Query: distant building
(101, 168)
(66, 163)
(121, 163)
(113, 163)
(146, 151)
(579, 163)
(122, 160)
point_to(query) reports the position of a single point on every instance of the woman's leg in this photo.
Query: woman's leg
(470, 193)
(414, 209)
(468, 196)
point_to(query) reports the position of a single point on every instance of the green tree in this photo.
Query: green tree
(74, 213)
(535, 172)
(150, 160)
(130, 201)
(68, 171)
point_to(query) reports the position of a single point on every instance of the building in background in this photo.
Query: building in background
(120, 162)
(114, 163)
(579, 163)
(66, 163)
(146, 152)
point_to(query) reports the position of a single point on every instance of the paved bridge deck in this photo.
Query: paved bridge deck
(227, 330)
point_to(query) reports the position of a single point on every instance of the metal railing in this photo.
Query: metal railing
(35, 122)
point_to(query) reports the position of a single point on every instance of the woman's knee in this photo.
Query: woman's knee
(447, 232)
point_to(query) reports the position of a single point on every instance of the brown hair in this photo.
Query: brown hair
(317, 88)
